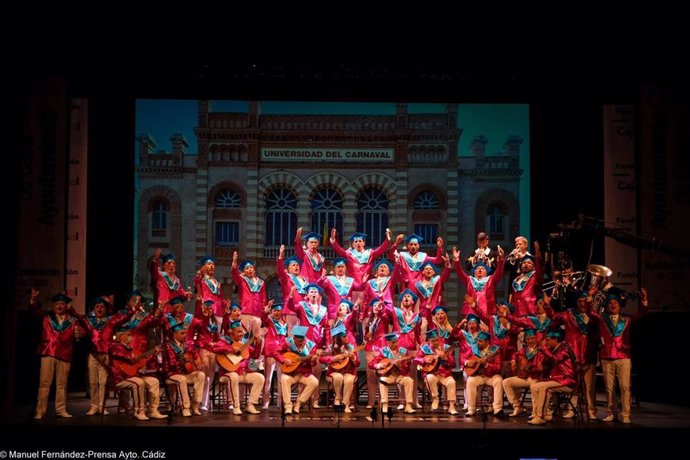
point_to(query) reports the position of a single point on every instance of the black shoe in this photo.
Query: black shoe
(469, 414)
(500, 414)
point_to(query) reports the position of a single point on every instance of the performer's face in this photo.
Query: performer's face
(99, 310)
(358, 244)
(521, 244)
(209, 268)
(527, 266)
(383, 270)
(428, 271)
(413, 247)
(312, 245)
(479, 272)
(276, 313)
(531, 341)
(249, 270)
(440, 316)
(235, 313)
(613, 307)
(343, 309)
(170, 266)
(340, 269)
(236, 333)
(294, 268)
(407, 301)
(180, 335)
(59, 307)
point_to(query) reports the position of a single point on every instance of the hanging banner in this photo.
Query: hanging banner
(620, 193)
(76, 204)
(41, 226)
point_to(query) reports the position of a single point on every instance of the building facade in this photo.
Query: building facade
(257, 178)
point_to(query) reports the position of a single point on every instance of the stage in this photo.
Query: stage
(658, 426)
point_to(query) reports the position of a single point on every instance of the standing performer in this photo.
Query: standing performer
(273, 320)
(252, 293)
(209, 287)
(411, 261)
(59, 331)
(202, 333)
(359, 260)
(289, 275)
(526, 285)
(166, 285)
(339, 286)
(484, 254)
(481, 286)
(312, 261)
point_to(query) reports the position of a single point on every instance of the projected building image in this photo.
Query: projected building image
(213, 177)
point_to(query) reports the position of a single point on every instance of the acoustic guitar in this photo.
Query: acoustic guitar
(431, 367)
(296, 361)
(474, 363)
(132, 369)
(344, 362)
(389, 365)
(240, 351)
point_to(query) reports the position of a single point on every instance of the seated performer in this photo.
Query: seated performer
(125, 364)
(393, 367)
(179, 366)
(484, 368)
(527, 369)
(437, 363)
(561, 360)
(297, 357)
(242, 349)
(341, 349)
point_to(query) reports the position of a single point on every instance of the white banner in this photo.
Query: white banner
(620, 192)
(76, 205)
(334, 155)
(41, 226)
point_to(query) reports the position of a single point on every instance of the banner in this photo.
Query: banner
(41, 226)
(665, 200)
(620, 193)
(76, 204)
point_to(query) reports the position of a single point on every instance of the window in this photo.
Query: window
(426, 199)
(281, 217)
(227, 198)
(159, 219)
(427, 231)
(326, 211)
(372, 215)
(227, 234)
(495, 222)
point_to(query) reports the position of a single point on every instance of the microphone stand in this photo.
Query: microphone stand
(283, 415)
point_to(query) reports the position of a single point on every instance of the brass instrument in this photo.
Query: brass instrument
(600, 275)
(513, 256)
(575, 279)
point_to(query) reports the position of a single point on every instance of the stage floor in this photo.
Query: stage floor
(657, 426)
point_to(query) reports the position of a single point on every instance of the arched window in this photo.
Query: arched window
(495, 221)
(281, 217)
(159, 218)
(372, 214)
(228, 198)
(426, 199)
(326, 211)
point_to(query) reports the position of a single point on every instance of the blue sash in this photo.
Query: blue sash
(406, 327)
(414, 263)
(618, 329)
(388, 353)
(253, 286)
(342, 289)
(362, 257)
(55, 324)
(314, 320)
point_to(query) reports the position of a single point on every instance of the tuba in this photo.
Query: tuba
(600, 275)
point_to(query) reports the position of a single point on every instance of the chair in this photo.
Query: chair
(443, 402)
(564, 396)
(330, 393)
(399, 398)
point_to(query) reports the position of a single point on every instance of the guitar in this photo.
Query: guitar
(296, 361)
(240, 352)
(390, 364)
(346, 359)
(190, 364)
(431, 367)
(132, 369)
(522, 367)
(474, 363)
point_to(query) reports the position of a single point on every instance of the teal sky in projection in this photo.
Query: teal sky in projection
(162, 118)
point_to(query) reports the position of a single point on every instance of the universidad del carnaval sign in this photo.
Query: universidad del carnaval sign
(326, 154)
